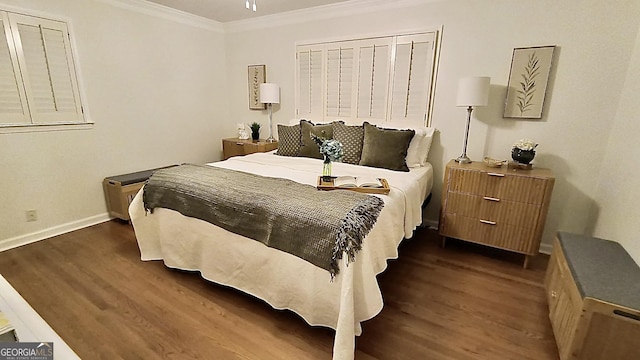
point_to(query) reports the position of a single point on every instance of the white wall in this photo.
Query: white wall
(618, 195)
(153, 87)
(595, 40)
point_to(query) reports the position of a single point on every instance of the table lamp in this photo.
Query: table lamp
(270, 94)
(472, 91)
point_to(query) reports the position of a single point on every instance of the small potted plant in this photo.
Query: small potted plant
(255, 131)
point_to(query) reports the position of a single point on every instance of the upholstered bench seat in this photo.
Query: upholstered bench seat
(602, 269)
(593, 290)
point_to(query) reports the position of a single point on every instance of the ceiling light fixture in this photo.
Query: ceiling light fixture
(247, 4)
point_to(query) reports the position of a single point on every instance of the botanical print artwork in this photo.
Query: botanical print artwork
(528, 79)
(256, 77)
(528, 84)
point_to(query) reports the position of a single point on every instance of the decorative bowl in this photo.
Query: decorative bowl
(491, 162)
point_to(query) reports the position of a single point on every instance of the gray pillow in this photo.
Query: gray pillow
(351, 138)
(309, 148)
(288, 140)
(385, 148)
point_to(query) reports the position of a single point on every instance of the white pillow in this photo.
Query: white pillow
(425, 145)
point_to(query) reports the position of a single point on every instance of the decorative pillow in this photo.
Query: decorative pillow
(351, 138)
(420, 144)
(309, 148)
(385, 148)
(425, 145)
(288, 140)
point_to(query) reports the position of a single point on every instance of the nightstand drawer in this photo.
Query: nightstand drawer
(489, 208)
(488, 232)
(498, 185)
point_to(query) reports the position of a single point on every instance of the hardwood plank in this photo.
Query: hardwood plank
(463, 302)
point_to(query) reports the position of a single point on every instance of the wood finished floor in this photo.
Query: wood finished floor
(461, 302)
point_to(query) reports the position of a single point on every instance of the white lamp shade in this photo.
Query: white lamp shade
(473, 91)
(269, 93)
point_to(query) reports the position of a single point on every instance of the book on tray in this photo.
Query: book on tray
(357, 181)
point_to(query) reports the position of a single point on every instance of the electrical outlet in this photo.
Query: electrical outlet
(32, 215)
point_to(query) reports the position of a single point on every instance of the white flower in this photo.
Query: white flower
(525, 144)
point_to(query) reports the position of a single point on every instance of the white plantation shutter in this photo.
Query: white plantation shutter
(373, 79)
(48, 71)
(13, 102)
(411, 89)
(309, 89)
(377, 79)
(39, 84)
(340, 73)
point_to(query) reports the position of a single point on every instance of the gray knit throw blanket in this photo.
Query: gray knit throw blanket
(317, 226)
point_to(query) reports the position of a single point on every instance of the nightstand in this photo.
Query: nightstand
(237, 147)
(504, 207)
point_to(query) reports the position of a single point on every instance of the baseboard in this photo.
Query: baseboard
(430, 224)
(52, 231)
(545, 248)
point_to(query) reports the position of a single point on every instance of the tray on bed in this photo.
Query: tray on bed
(328, 185)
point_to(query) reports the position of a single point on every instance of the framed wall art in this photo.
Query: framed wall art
(257, 76)
(528, 78)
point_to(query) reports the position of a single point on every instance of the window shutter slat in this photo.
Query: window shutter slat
(401, 81)
(59, 70)
(419, 83)
(310, 84)
(36, 61)
(373, 81)
(339, 82)
(304, 83)
(13, 108)
(412, 78)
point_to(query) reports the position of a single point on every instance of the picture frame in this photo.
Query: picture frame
(256, 76)
(528, 80)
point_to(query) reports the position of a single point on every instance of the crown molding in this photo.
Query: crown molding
(167, 13)
(347, 8)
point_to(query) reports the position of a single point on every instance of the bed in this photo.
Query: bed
(283, 280)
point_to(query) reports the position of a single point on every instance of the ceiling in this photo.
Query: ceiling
(231, 10)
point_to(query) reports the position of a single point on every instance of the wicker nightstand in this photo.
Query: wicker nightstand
(236, 147)
(502, 207)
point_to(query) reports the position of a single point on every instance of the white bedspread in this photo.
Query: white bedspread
(281, 279)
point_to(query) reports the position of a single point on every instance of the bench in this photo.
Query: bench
(593, 290)
(120, 190)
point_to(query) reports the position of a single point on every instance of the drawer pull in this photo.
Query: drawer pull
(495, 174)
(487, 222)
(554, 294)
(239, 143)
(627, 315)
(491, 198)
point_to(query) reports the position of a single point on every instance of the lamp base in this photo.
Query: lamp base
(271, 139)
(463, 159)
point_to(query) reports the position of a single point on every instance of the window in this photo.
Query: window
(376, 79)
(38, 84)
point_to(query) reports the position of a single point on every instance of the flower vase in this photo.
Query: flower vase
(522, 156)
(326, 170)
